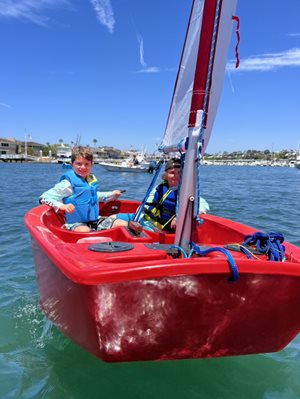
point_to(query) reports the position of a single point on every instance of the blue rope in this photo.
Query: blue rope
(246, 252)
(180, 250)
(139, 212)
(232, 266)
(269, 244)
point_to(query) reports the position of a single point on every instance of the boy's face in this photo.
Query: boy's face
(172, 176)
(82, 167)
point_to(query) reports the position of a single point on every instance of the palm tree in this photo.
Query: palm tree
(95, 141)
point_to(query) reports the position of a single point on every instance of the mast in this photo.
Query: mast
(187, 198)
(195, 99)
(197, 120)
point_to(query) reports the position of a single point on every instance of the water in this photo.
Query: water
(37, 361)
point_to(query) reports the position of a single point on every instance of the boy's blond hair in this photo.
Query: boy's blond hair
(84, 152)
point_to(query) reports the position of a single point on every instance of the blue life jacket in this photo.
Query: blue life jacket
(162, 210)
(84, 198)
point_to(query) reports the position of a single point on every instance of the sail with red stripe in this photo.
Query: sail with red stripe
(201, 71)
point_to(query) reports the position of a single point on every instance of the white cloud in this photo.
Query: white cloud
(104, 13)
(30, 10)
(5, 105)
(294, 34)
(149, 70)
(267, 62)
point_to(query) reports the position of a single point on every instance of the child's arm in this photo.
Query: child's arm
(54, 197)
(106, 196)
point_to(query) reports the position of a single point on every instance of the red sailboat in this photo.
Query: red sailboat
(209, 290)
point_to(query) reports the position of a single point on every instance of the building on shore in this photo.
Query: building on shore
(11, 146)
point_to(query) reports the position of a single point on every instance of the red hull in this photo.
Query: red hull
(145, 305)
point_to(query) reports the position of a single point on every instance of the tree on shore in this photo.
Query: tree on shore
(50, 147)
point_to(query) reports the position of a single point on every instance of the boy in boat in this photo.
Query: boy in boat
(134, 161)
(76, 195)
(159, 213)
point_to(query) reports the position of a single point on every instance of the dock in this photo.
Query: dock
(17, 158)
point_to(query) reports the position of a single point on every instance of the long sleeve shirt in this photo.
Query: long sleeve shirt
(54, 197)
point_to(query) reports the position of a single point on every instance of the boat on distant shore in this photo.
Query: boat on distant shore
(297, 162)
(63, 160)
(128, 165)
(111, 167)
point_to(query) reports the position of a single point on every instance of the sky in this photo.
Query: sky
(105, 70)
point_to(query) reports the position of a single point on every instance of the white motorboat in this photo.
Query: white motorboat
(127, 165)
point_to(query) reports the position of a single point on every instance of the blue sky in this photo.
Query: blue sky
(105, 70)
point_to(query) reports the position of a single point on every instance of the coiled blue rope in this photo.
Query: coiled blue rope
(269, 244)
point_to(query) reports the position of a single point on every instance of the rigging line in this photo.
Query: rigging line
(198, 204)
(231, 263)
(178, 247)
(182, 156)
(139, 211)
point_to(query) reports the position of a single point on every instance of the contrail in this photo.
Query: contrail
(145, 68)
(5, 105)
(104, 13)
(141, 43)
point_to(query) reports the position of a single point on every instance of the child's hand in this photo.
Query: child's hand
(116, 193)
(68, 208)
(173, 224)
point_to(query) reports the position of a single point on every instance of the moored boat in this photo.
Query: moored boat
(128, 165)
(297, 162)
(111, 167)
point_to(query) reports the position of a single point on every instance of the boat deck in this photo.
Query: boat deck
(120, 255)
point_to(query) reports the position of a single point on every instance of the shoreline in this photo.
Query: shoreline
(250, 162)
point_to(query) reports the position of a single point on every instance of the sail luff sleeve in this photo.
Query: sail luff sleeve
(222, 41)
(201, 84)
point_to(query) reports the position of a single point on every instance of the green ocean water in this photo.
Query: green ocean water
(37, 361)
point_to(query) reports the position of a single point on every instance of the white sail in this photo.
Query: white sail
(191, 66)
(195, 100)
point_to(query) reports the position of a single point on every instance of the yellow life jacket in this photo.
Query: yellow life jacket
(162, 210)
